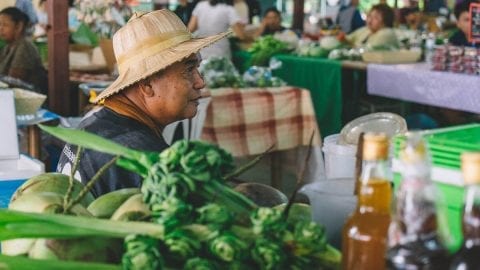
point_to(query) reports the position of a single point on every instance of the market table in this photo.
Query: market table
(248, 121)
(417, 83)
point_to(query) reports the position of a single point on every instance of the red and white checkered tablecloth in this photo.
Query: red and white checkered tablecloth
(248, 121)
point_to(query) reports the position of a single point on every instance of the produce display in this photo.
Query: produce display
(220, 72)
(456, 59)
(184, 216)
(265, 47)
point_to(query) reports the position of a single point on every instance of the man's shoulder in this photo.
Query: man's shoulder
(123, 130)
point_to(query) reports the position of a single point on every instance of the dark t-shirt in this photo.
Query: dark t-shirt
(460, 39)
(118, 128)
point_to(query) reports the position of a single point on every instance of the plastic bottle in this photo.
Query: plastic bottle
(468, 257)
(413, 236)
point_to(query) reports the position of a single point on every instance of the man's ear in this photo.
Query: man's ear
(146, 89)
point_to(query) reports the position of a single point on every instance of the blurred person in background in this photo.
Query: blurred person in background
(271, 23)
(349, 17)
(242, 10)
(20, 58)
(215, 16)
(412, 19)
(460, 36)
(378, 32)
(184, 10)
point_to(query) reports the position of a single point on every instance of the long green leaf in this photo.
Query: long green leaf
(14, 224)
(22, 263)
(94, 142)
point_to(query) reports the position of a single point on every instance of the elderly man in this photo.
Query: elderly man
(159, 83)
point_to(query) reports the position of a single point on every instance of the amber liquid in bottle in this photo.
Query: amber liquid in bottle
(365, 231)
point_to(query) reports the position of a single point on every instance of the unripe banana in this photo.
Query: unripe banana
(105, 205)
(51, 182)
(132, 209)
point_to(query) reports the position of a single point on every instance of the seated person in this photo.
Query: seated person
(460, 37)
(378, 32)
(349, 17)
(19, 58)
(412, 19)
(271, 23)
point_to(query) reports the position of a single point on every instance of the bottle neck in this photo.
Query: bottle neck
(374, 194)
(471, 215)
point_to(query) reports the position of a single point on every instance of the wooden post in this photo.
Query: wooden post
(298, 14)
(58, 73)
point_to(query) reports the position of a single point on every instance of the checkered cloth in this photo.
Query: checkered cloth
(248, 121)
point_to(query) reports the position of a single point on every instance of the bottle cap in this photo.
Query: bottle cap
(375, 146)
(471, 167)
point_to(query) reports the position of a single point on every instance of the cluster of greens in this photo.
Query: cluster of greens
(195, 220)
(264, 48)
(220, 72)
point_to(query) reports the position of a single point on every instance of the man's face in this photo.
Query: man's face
(463, 22)
(176, 92)
(272, 20)
(8, 28)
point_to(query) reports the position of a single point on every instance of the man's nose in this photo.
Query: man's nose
(199, 81)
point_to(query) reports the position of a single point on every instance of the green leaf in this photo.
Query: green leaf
(22, 263)
(14, 224)
(94, 142)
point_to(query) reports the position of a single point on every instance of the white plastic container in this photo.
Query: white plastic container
(332, 202)
(14, 168)
(339, 159)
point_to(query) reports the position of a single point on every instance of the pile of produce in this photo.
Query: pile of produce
(261, 77)
(184, 216)
(219, 72)
(264, 48)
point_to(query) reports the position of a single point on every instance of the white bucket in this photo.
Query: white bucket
(339, 159)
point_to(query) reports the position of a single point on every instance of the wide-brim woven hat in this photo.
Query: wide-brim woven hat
(150, 42)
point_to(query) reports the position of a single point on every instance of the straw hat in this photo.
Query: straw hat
(149, 43)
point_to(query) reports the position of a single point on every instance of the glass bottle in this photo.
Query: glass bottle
(365, 231)
(468, 257)
(413, 236)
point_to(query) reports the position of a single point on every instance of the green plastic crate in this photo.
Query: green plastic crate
(445, 148)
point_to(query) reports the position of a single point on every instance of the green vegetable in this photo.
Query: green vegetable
(268, 255)
(15, 224)
(200, 264)
(264, 48)
(228, 247)
(142, 253)
(214, 214)
(182, 245)
(22, 263)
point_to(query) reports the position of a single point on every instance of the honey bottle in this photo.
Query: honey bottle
(365, 231)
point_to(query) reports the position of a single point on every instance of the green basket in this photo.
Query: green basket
(446, 147)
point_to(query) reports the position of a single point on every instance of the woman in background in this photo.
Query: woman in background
(378, 32)
(20, 58)
(215, 16)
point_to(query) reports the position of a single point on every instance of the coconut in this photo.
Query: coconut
(262, 195)
(88, 249)
(51, 182)
(132, 209)
(43, 202)
(105, 205)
